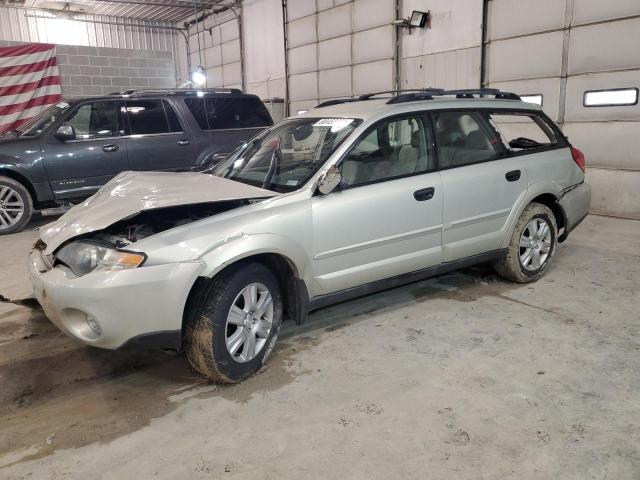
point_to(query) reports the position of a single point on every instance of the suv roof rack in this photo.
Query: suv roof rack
(185, 91)
(402, 96)
(464, 93)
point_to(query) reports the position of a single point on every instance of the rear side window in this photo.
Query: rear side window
(464, 138)
(523, 130)
(172, 117)
(226, 113)
(146, 117)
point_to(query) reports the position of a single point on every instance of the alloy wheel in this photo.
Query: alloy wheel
(249, 322)
(535, 244)
(11, 207)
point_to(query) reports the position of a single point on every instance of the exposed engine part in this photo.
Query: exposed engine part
(151, 222)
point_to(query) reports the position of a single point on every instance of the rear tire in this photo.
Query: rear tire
(16, 206)
(235, 324)
(532, 246)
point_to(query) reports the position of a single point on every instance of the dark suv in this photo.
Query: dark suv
(74, 147)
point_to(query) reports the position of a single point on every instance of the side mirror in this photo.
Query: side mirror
(330, 180)
(65, 133)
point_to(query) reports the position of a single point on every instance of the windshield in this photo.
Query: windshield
(286, 156)
(41, 122)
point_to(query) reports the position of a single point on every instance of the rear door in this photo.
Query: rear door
(79, 167)
(156, 137)
(482, 184)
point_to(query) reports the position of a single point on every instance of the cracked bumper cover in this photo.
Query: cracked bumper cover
(126, 304)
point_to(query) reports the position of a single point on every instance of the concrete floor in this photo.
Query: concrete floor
(463, 376)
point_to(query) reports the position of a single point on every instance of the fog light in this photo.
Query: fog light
(94, 325)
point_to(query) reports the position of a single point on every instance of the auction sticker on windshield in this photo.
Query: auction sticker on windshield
(335, 123)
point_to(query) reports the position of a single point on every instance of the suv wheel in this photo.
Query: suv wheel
(235, 325)
(16, 206)
(532, 245)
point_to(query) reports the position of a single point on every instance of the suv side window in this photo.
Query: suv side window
(393, 149)
(96, 120)
(146, 117)
(215, 113)
(464, 138)
(523, 130)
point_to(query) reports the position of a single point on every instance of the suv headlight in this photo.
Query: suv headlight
(84, 257)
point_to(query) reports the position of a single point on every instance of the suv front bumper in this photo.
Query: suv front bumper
(107, 309)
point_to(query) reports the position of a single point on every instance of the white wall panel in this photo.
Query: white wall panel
(607, 144)
(374, 44)
(605, 46)
(213, 56)
(372, 77)
(614, 192)
(549, 88)
(302, 31)
(263, 41)
(455, 24)
(577, 85)
(518, 17)
(526, 57)
(229, 31)
(231, 74)
(303, 59)
(335, 52)
(372, 13)
(334, 22)
(214, 77)
(335, 82)
(231, 51)
(303, 86)
(300, 8)
(586, 11)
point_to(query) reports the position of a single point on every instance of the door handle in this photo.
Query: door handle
(183, 141)
(110, 148)
(424, 194)
(512, 176)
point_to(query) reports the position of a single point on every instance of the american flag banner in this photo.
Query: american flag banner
(29, 82)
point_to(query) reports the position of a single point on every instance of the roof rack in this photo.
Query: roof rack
(465, 93)
(369, 96)
(185, 91)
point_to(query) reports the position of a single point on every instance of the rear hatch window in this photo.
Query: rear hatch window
(228, 113)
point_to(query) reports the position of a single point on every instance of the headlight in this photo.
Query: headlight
(82, 258)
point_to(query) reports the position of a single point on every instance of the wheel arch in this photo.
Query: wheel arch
(22, 180)
(551, 201)
(292, 285)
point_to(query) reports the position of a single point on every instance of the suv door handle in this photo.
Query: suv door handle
(424, 194)
(512, 176)
(183, 141)
(110, 148)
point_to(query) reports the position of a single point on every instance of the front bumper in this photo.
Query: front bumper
(125, 304)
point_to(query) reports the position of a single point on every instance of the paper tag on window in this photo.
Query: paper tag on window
(62, 105)
(335, 123)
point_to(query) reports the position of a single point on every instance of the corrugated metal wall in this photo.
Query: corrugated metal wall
(22, 26)
(562, 48)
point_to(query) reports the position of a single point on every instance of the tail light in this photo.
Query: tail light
(578, 157)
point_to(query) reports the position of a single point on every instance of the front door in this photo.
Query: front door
(79, 167)
(157, 139)
(481, 184)
(386, 219)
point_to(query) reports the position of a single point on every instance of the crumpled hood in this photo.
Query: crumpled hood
(132, 192)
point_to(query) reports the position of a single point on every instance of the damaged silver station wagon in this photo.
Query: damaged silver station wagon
(351, 197)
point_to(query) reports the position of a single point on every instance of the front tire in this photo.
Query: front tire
(532, 246)
(16, 206)
(236, 324)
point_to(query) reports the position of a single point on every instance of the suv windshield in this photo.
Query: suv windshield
(41, 122)
(285, 156)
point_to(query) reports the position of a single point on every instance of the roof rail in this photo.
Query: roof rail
(369, 96)
(156, 91)
(428, 94)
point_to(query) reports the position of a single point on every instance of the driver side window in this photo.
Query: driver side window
(96, 120)
(393, 149)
